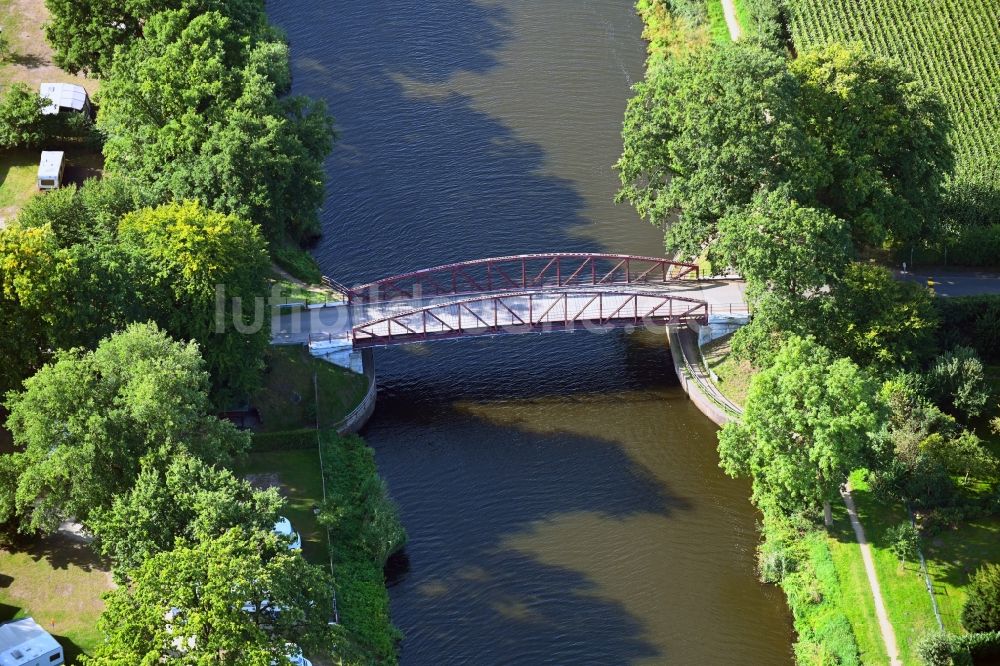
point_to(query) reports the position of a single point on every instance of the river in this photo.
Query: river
(562, 495)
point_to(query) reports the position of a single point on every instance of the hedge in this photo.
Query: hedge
(364, 531)
(285, 440)
(971, 321)
(975, 246)
(939, 648)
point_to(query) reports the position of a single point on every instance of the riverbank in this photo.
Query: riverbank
(795, 555)
(333, 493)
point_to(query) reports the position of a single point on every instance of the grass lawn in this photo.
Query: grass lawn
(287, 401)
(717, 22)
(297, 476)
(18, 169)
(733, 375)
(296, 292)
(855, 596)
(907, 601)
(58, 582)
(952, 556)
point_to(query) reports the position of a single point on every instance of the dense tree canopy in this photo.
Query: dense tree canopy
(867, 315)
(187, 499)
(238, 599)
(191, 112)
(86, 33)
(72, 274)
(704, 132)
(27, 264)
(807, 424)
(836, 128)
(877, 320)
(85, 424)
(885, 142)
(784, 248)
(194, 263)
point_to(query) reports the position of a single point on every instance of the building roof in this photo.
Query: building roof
(24, 640)
(48, 166)
(63, 96)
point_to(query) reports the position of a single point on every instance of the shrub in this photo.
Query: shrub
(957, 382)
(22, 124)
(299, 263)
(903, 540)
(981, 612)
(971, 321)
(934, 649)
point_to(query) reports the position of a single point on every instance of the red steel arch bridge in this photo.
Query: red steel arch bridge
(528, 293)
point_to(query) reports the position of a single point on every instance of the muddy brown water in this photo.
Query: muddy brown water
(562, 495)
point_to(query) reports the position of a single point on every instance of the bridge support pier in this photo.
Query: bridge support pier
(361, 361)
(339, 351)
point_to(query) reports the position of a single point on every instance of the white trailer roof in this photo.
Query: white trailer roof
(22, 641)
(48, 166)
(63, 95)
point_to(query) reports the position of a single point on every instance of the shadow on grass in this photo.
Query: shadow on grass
(957, 553)
(11, 159)
(60, 551)
(29, 60)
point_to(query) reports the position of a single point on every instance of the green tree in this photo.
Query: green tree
(86, 33)
(22, 124)
(839, 129)
(85, 424)
(196, 263)
(885, 142)
(958, 382)
(904, 540)
(705, 131)
(237, 599)
(28, 260)
(780, 246)
(191, 111)
(878, 320)
(981, 611)
(82, 215)
(188, 499)
(963, 455)
(807, 423)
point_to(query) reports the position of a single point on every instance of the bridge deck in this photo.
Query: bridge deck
(333, 322)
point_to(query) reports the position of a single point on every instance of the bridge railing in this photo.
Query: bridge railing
(528, 271)
(530, 312)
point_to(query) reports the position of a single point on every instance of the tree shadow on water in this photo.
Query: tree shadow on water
(419, 175)
(483, 578)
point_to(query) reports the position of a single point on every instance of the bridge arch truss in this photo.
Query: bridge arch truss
(530, 312)
(519, 273)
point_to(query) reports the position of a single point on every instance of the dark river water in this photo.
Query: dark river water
(562, 495)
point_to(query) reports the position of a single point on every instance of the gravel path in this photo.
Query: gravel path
(729, 9)
(888, 634)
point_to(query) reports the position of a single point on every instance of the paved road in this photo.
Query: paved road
(956, 283)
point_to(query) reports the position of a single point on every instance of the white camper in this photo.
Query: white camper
(50, 170)
(64, 97)
(25, 643)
